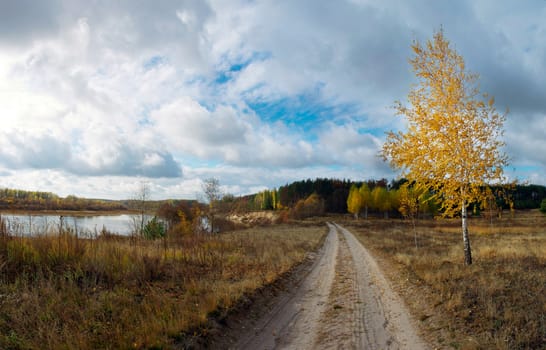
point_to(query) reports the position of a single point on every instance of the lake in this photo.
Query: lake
(19, 224)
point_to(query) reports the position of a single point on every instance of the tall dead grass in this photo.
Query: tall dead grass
(499, 302)
(61, 291)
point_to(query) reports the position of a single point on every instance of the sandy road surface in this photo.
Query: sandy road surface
(342, 302)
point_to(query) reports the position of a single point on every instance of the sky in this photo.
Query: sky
(97, 97)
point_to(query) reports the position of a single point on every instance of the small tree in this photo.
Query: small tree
(543, 206)
(313, 205)
(154, 229)
(213, 194)
(452, 145)
(381, 200)
(408, 199)
(365, 196)
(394, 199)
(298, 212)
(142, 197)
(354, 201)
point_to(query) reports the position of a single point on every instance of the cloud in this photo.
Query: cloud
(60, 111)
(228, 135)
(24, 150)
(355, 51)
(127, 160)
(40, 151)
(255, 93)
(26, 20)
(526, 140)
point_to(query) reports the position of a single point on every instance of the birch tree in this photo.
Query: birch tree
(142, 197)
(408, 198)
(354, 201)
(365, 198)
(213, 194)
(452, 145)
(381, 200)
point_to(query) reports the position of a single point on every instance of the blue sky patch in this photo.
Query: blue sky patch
(306, 111)
(225, 75)
(153, 62)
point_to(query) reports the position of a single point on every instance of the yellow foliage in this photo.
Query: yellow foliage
(408, 201)
(354, 201)
(380, 199)
(452, 145)
(365, 194)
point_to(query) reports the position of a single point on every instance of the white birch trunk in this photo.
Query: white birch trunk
(466, 240)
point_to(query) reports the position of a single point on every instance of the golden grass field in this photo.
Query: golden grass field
(499, 302)
(61, 292)
(64, 292)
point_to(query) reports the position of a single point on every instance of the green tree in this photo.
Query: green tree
(267, 203)
(154, 229)
(452, 146)
(543, 206)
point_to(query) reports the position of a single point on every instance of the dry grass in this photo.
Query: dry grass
(61, 292)
(497, 303)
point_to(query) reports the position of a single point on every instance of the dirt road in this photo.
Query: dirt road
(343, 301)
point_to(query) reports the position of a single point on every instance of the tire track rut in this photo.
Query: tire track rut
(294, 322)
(343, 302)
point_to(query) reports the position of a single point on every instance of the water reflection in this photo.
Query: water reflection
(123, 224)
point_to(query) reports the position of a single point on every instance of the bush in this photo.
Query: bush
(312, 206)
(543, 206)
(154, 229)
